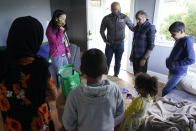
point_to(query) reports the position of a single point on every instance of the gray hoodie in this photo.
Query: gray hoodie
(93, 108)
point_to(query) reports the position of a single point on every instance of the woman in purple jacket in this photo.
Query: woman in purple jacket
(58, 41)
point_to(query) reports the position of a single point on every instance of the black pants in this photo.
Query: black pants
(137, 68)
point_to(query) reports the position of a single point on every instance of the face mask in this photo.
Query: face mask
(60, 23)
(116, 13)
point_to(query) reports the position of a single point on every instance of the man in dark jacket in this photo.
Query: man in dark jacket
(115, 25)
(143, 43)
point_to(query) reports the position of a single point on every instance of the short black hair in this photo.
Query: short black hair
(93, 63)
(147, 83)
(141, 12)
(177, 26)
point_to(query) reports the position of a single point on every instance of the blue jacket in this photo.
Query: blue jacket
(143, 39)
(183, 54)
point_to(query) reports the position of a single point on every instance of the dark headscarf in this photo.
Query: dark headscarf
(24, 40)
(25, 37)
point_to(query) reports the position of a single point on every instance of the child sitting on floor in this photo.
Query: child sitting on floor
(147, 87)
(95, 105)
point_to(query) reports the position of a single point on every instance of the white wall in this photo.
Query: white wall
(147, 5)
(77, 22)
(10, 9)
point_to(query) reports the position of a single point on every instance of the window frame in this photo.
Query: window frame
(166, 43)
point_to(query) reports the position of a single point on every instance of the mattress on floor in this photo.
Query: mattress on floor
(181, 95)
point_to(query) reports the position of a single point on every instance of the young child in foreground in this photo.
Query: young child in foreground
(95, 105)
(147, 87)
(181, 56)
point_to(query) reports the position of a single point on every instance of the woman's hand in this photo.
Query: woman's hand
(51, 93)
(68, 55)
(62, 28)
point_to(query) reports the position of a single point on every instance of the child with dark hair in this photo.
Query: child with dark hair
(147, 87)
(95, 105)
(181, 56)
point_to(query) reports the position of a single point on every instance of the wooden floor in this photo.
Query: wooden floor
(124, 75)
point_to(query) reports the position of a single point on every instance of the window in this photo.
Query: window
(169, 11)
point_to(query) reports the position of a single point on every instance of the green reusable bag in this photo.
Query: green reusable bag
(69, 78)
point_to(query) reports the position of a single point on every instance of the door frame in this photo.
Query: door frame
(132, 17)
(129, 67)
(87, 15)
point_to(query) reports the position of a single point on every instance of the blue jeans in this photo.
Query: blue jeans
(118, 50)
(57, 62)
(173, 80)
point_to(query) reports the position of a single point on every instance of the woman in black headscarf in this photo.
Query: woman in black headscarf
(25, 82)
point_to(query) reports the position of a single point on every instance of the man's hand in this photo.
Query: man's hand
(174, 64)
(107, 43)
(131, 58)
(142, 62)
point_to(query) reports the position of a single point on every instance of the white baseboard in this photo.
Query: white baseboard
(161, 77)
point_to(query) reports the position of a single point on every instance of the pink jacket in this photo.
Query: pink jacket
(57, 47)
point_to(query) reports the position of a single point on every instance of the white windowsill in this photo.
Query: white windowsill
(168, 44)
(164, 43)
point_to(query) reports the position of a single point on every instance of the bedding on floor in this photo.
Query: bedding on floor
(174, 112)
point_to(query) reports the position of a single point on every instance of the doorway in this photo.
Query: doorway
(96, 10)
